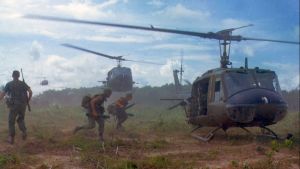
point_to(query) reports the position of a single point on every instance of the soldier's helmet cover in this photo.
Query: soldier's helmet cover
(16, 73)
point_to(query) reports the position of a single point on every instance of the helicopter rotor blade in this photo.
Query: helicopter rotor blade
(221, 35)
(151, 28)
(233, 29)
(270, 40)
(93, 52)
(107, 56)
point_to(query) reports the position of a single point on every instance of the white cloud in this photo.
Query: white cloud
(156, 3)
(288, 74)
(35, 50)
(248, 51)
(86, 9)
(179, 11)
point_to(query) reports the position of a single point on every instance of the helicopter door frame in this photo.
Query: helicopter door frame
(220, 89)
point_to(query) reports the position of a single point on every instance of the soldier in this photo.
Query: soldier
(95, 111)
(19, 94)
(118, 109)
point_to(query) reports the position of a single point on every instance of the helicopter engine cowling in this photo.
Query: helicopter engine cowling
(256, 106)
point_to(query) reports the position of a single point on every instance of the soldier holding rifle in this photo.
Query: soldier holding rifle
(18, 96)
(95, 112)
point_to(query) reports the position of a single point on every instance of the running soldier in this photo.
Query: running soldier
(118, 109)
(18, 96)
(95, 112)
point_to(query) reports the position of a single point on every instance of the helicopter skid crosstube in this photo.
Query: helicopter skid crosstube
(211, 134)
(208, 137)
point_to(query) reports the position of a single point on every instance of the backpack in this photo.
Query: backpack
(85, 102)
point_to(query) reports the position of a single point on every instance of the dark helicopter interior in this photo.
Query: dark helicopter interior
(200, 97)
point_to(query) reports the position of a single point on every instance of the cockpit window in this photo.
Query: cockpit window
(236, 82)
(268, 80)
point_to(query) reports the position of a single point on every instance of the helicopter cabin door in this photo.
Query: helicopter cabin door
(217, 92)
(216, 96)
(202, 95)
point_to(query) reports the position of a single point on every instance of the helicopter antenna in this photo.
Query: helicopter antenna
(181, 69)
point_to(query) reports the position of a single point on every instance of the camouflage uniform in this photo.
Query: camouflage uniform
(16, 102)
(92, 120)
(118, 109)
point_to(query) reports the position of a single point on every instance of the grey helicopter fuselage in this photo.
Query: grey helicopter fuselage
(235, 97)
(120, 79)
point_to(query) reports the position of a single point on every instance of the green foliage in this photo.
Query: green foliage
(234, 164)
(8, 159)
(288, 143)
(157, 144)
(157, 162)
(275, 145)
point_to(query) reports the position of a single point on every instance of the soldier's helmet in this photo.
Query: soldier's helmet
(129, 96)
(107, 92)
(16, 74)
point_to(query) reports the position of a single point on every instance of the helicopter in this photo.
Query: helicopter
(180, 88)
(44, 82)
(223, 97)
(119, 78)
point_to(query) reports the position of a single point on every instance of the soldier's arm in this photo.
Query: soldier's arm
(93, 104)
(29, 94)
(2, 94)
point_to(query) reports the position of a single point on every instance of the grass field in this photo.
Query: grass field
(154, 138)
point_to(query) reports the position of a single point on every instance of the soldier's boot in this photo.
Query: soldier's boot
(11, 139)
(24, 136)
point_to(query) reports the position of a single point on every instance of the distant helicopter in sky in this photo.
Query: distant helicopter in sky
(44, 82)
(223, 97)
(119, 78)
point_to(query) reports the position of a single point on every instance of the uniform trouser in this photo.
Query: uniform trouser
(92, 123)
(121, 117)
(16, 112)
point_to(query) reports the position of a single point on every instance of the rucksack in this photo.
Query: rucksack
(85, 102)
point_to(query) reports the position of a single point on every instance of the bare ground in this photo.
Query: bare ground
(237, 151)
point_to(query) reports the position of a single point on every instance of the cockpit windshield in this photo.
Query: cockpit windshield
(267, 80)
(238, 81)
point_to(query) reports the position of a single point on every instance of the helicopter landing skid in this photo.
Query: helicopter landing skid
(208, 137)
(248, 131)
(272, 133)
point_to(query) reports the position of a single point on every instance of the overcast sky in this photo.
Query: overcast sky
(34, 45)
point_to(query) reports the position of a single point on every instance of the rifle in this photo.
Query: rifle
(27, 99)
(129, 106)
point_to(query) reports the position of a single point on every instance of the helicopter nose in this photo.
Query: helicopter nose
(259, 105)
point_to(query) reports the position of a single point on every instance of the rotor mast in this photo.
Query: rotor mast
(225, 44)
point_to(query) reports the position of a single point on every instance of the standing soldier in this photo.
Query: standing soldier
(18, 96)
(95, 112)
(119, 109)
